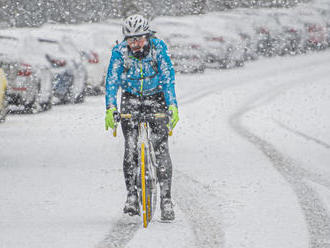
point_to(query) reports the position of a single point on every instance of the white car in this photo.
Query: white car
(268, 31)
(28, 74)
(293, 32)
(184, 44)
(323, 8)
(315, 28)
(216, 50)
(222, 43)
(187, 58)
(241, 25)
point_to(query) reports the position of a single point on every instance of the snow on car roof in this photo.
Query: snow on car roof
(21, 48)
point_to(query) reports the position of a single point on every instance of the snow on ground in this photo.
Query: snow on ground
(303, 120)
(250, 155)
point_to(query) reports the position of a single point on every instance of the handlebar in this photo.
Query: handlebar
(141, 117)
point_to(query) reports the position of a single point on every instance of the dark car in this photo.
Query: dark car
(70, 76)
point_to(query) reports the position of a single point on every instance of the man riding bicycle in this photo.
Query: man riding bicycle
(141, 67)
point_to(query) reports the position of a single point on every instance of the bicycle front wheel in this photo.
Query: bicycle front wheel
(143, 186)
(148, 186)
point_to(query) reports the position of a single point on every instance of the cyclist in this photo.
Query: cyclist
(141, 67)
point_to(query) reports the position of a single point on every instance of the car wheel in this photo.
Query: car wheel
(4, 107)
(239, 63)
(35, 107)
(46, 106)
(80, 98)
(3, 113)
(38, 107)
(97, 91)
(73, 98)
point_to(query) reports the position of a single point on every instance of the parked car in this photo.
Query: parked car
(183, 42)
(85, 43)
(70, 76)
(3, 100)
(323, 8)
(293, 33)
(222, 45)
(315, 28)
(95, 72)
(216, 52)
(269, 33)
(241, 25)
(28, 74)
(187, 57)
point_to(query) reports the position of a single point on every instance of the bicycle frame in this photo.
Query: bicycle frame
(147, 169)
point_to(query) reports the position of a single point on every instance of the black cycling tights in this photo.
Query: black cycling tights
(159, 137)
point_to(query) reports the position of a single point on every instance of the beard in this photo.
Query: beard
(142, 52)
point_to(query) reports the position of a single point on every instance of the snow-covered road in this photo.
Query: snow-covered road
(251, 157)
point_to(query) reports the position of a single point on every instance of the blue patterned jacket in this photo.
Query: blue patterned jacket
(148, 76)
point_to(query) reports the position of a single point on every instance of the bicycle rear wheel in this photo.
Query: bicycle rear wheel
(152, 178)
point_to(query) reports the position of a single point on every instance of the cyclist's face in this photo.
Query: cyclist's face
(136, 43)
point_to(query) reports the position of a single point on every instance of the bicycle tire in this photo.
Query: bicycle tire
(148, 183)
(143, 187)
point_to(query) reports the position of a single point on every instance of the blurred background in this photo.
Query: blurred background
(24, 13)
(57, 52)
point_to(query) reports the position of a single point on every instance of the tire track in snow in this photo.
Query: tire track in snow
(316, 178)
(307, 137)
(200, 207)
(121, 233)
(316, 215)
(191, 196)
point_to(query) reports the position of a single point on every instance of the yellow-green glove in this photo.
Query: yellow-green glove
(174, 118)
(109, 120)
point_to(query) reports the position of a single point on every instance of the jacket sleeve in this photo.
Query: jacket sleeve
(167, 76)
(113, 79)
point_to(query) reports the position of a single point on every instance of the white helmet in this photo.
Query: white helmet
(135, 25)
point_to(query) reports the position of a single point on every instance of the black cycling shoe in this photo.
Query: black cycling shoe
(132, 205)
(167, 212)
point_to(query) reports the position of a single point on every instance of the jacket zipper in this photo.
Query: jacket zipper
(141, 74)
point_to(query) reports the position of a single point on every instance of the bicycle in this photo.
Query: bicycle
(147, 169)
